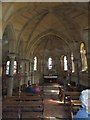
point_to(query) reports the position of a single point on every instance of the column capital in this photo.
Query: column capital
(12, 55)
(25, 60)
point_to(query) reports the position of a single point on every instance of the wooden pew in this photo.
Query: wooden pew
(8, 99)
(70, 95)
(73, 100)
(33, 115)
(75, 104)
(9, 115)
(31, 104)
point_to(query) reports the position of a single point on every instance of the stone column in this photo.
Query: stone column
(31, 71)
(88, 54)
(22, 71)
(78, 67)
(69, 72)
(10, 81)
(41, 66)
(27, 75)
(88, 61)
(86, 39)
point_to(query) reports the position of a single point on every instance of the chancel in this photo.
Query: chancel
(45, 59)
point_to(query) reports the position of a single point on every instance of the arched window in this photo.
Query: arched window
(35, 63)
(7, 67)
(49, 63)
(83, 57)
(65, 64)
(15, 67)
(72, 63)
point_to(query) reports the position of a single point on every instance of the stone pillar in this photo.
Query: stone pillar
(88, 61)
(10, 81)
(41, 66)
(87, 45)
(41, 71)
(27, 73)
(31, 71)
(22, 71)
(77, 61)
(69, 72)
(88, 54)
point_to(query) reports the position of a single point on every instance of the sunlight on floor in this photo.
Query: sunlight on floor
(51, 118)
(55, 91)
(55, 101)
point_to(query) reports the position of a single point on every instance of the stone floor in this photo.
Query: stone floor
(53, 108)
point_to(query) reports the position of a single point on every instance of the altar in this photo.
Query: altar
(50, 78)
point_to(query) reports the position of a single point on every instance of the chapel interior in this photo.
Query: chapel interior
(44, 44)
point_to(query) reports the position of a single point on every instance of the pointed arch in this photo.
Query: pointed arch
(65, 63)
(35, 63)
(49, 63)
(9, 34)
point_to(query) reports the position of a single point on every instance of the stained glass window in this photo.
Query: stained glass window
(65, 64)
(7, 67)
(35, 63)
(49, 63)
(15, 67)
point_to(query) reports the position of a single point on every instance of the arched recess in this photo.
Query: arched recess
(38, 40)
(35, 63)
(65, 63)
(27, 7)
(83, 56)
(21, 49)
(40, 17)
(10, 38)
(8, 45)
(8, 42)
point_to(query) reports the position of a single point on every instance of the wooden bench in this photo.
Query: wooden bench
(70, 95)
(8, 115)
(76, 102)
(32, 105)
(32, 115)
(75, 105)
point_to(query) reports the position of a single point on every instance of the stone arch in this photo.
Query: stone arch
(9, 34)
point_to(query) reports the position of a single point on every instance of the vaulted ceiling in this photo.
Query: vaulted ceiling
(36, 28)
